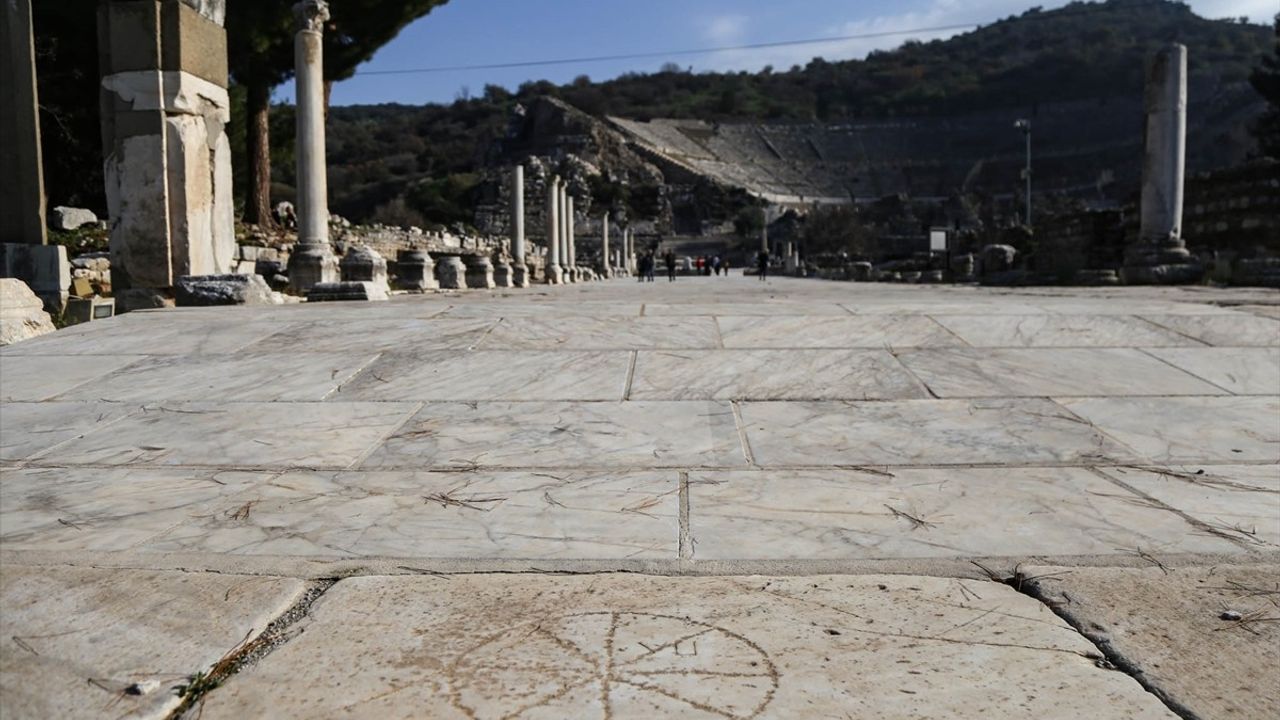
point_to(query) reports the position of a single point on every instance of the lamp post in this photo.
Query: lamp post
(1025, 126)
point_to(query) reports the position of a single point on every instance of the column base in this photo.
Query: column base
(1148, 263)
(452, 273)
(502, 274)
(311, 264)
(480, 272)
(416, 271)
(555, 275)
(519, 276)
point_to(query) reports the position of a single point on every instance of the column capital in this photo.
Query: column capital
(310, 15)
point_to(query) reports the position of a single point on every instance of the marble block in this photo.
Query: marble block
(1060, 331)
(492, 375)
(1238, 330)
(593, 333)
(35, 377)
(1242, 371)
(833, 332)
(1189, 429)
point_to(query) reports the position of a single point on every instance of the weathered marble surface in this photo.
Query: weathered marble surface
(30, 428)
(749, 309)
(256, 376)
(1241, 502)
(1167, 625)
(105, 337)
(1236, 330)
(589, 333)
(899, 512)
(562, 434)
(870, 331)
(772, 375)
(377, 335)
(240, 435)
(1191, 429)
(922, 432)
(654, 647)
(1041, 372)
(36, 377)
(571, 515)
(1060, 331)
(492, 375)
(537, 303)
(75, 638)
(1243, 371)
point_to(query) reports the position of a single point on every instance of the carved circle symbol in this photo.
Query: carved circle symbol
(613, 664)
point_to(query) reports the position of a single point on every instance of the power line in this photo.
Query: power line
(754, 46)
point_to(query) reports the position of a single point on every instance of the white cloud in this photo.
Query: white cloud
(726, 29)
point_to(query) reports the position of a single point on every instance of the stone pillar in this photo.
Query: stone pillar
(607, 270)
(632, 265)
(519, 273)
(21, 168)
(571, 234)
(364, 264)
(553, 270)
(502, 272)
(167, 159)
(1159, 255)
(415, 270)
(312, 260)
(479, 272)
(451, 273)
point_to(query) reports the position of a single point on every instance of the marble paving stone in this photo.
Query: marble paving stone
(562, 434)
(257, 376)
(922, 432)
(569, 515)
(30, 428)
(161, 337)
(1060, 331)
(1243, 371)
(772, 375)
(588, 333)
(492, 375)
(1167, 626)
(241, 435)
(743, 308)
(1241, 502)
(1191, 429)
(871, 331)
(74, 638)
(34, 378)
(1271, 311)
(531, 308)
(1237, 330)
(485, 646)
(378, 335)
(1040, 372)
(954, 512)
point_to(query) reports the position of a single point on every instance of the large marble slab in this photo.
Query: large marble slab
(532, 308)
(492, 375)
(75, 638)
(1243, 371)
(1236, 330)
(871, 331)
(1189, 430)
(590, 333)
(240, 435)
(1240, 502)
(1167, 627)
(738, 307)
(107, 509)
(485, 646)
(923, 432)
(27, 429)
(562, 434)
(772, 375)
(1041, 372)
(155, 336)
(464, 515)
(1051, 330)
(928, 512)
(41, 377)
(250, 376)
(376, 335)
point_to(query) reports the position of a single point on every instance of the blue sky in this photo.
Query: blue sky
(468, 32)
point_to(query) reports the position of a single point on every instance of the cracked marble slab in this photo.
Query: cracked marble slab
(532, 308)
(563, 434)
(1189, 430)
(1041, 372)
(376, 335)
(1235, 330)
(871, 331)
(1241, 502)
(617, 646)
(771, 375)
(1050, 330)
(927, 512)
(33, 378)
(161, 337)
(922, 432)
(492, 375)
(240, 435)
(589, 333)
(27, 429)
(1243, 371)
(743, 308)
(248, 376)
(76, 638)
(571, 515)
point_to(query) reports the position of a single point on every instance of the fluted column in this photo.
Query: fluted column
(312, 261)
(553, 270)
(519, 273)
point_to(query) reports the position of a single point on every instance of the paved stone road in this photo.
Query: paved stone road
(173, 482)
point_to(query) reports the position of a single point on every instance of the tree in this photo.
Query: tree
(1266, 80)
(260, 56)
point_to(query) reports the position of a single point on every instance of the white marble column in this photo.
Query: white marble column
(21, 167)
(572, 239)
(312, 261)
(564, 234)
(553, 270)
(607, 270)
(632, 265)
(519, 273)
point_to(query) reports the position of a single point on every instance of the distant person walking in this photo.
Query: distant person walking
(725, 267)
(653, 260)
(762, 262)
(670, 259)
(715, 265)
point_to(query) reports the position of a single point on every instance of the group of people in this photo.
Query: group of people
(703, 265)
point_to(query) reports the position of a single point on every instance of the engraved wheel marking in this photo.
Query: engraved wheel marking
(630, 661)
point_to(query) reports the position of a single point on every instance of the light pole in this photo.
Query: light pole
(1025, 126)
